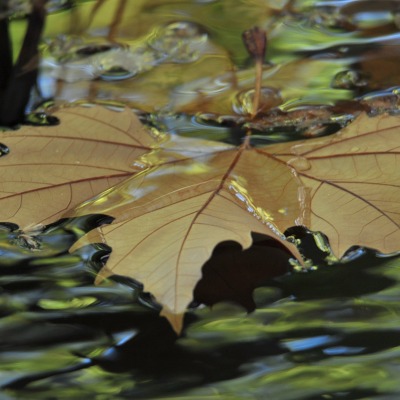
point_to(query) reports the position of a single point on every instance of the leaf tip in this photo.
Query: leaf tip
(94, 236)
(176, 320)
(103, 274)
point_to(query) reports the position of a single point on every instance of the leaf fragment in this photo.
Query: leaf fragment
(49, 170)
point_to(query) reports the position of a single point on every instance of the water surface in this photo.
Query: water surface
(328, 332)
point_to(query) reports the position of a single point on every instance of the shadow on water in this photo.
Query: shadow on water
(122, 333)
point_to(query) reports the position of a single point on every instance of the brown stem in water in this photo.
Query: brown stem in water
(255, 40)
(94, 10)
(257, 87)
(119, 12)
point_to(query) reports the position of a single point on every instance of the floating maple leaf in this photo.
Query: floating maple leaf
(169, 217)
(191, 194)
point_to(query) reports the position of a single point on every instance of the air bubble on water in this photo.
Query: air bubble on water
(116, 73)
(179, 42)
(185, 30)
(4, 150)
(116, 63)
(243, 102)
(121, 64)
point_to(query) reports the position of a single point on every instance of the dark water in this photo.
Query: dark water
(330, 332)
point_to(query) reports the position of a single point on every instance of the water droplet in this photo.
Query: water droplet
(123, 64)
(262, 215)
(300, 163)
(140, 165)
(243, 102)
(4, 150)
(179, 42)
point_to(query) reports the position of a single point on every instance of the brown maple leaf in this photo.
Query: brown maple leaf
(191, 194)
(169, 218)
(50, 170)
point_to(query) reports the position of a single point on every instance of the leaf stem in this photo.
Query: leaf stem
(119, 12)
(255, 40)
(257, 88)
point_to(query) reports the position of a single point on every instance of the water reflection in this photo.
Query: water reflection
(112, 335)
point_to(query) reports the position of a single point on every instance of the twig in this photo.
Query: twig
(19, 81)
